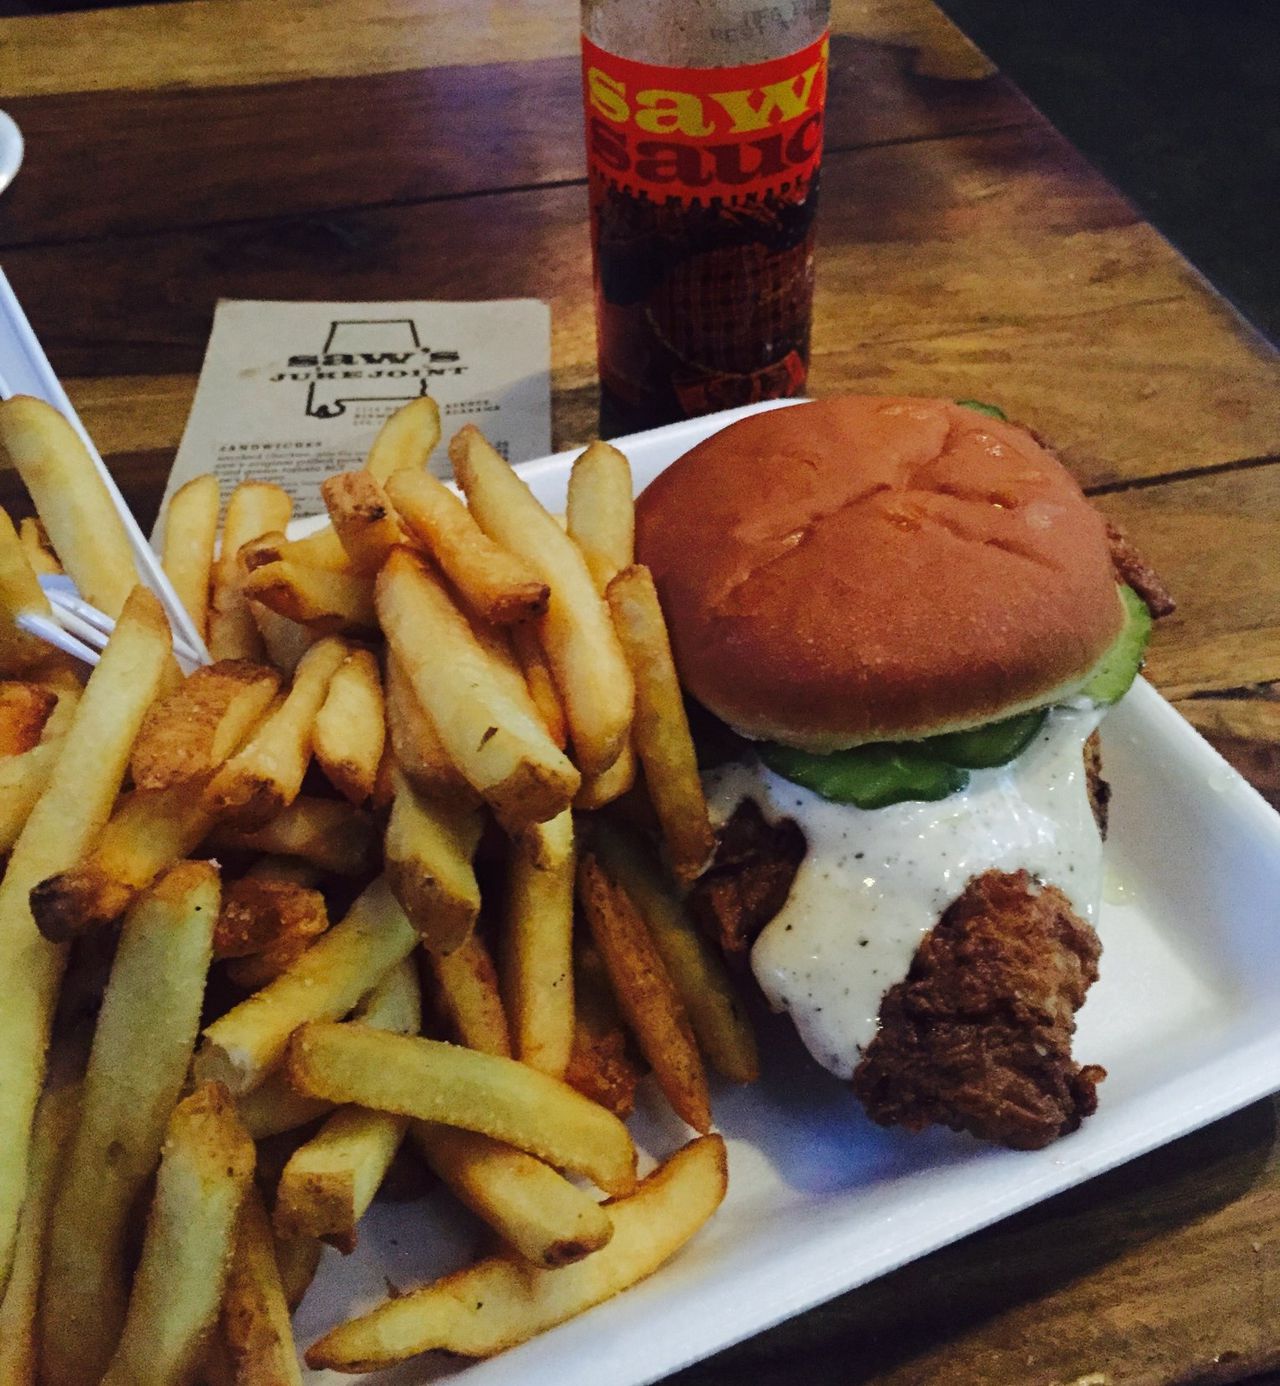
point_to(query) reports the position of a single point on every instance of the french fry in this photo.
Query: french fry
(64, 675)
(419, 752)
(608, 785)
(662, 738)
(601, 1066)
(265, 926)
(257, 912)
(645, 993)
(600, 513)
(328, 833)
(286, 641)
(298, 1259)
(406, 440)
(711, 1001)
(24, 709)
(255, 1311)
(431, 1080)
(265, 776)
(284, 870)
(77, 510)
(320, 549)
(141, 1049)
(243, 1046)
(254, 509)
(428, 849)
(64, 821)
(466, 993)
(205, 1174)
(273, 1108)
(265, 548)
(24, 776)
(331, 1180)
(188, 734)
(532, 659)
(20, 592)
(383, 788)
(19, 1306)
(395, 1004)
(217, 1369)
(496, 643)
(496, 584)
(22, 781)
(500, 1302)
(537, 951)
(147, 832)
(324, 601)
(535, 1210)
(190, 535)
(351, 727)
(494, 737)
(363, 518)
(36, 545)
(592, 676)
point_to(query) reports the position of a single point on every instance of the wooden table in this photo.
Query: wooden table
(388, 149)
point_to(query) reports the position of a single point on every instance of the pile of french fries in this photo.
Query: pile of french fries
(398, 876)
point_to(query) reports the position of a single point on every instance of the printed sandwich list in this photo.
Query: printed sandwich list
(291, 393)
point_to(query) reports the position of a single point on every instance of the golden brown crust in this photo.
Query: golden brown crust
(750, 876)
(1099, 789)
(978, 1037)
(871, 568)
(1131, 567)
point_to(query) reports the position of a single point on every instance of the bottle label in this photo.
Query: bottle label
(705, 134)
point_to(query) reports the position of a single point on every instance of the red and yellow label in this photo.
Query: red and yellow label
(694, 134)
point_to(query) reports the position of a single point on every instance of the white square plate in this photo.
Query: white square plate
(1186, 1019)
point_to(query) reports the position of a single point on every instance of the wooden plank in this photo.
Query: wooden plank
(247, 153)
(1213, 539)
(152, 47)
(131, 414)
(1166, 1270)
(1246, 733)
(1126, 390)
(1091, 328)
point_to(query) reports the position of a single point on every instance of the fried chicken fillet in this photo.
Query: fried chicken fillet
(978, 1035)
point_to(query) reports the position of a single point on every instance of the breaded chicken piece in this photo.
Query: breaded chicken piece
(749, 877)
(1131, 567)
(978, 1036)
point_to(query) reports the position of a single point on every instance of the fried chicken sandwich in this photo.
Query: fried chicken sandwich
(906, 621)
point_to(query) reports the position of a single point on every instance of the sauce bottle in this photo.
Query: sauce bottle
(704, 143)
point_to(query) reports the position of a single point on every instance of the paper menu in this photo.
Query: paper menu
(293, 392)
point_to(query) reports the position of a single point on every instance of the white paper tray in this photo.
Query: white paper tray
(1186, 1019)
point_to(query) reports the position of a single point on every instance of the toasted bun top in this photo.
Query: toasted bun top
(867, 568)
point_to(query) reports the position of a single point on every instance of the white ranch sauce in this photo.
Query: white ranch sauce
(873, 882)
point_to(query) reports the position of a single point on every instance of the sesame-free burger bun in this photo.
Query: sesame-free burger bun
(876, 568)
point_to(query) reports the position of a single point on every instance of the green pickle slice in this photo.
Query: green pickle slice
(1118, 668)
(995, 743)
(869, 777)
(993, 410)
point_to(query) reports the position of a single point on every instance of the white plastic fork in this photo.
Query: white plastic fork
(82, 630)
(75, 626)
